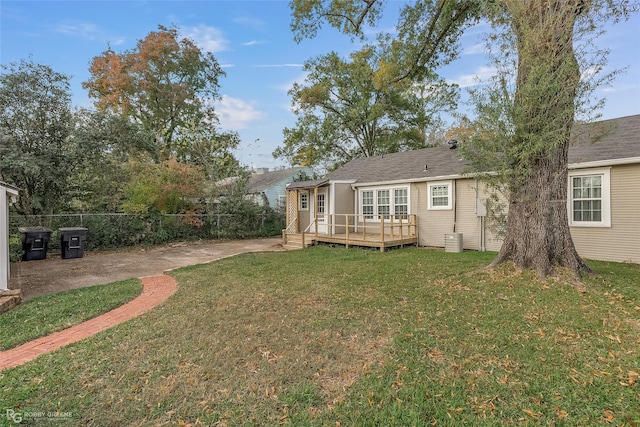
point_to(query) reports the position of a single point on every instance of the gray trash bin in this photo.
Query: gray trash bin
(73, 240)
(35, 242)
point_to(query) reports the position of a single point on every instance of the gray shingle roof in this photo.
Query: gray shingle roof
(617, 139)
(261, 182)
(606, 140)
(440, 161)
(307, 184)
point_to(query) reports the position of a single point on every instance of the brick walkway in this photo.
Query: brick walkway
(155, 290)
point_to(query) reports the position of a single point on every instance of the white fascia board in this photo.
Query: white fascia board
(342, 181)
(601, 163)
(410, 180)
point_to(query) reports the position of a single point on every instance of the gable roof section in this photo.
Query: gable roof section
(613, 139)
(407, 165)
(262, 182)
(307, 184)
(602, 142)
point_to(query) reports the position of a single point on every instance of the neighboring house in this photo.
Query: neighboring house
(420, 196)
(269, 187)
(8, 194)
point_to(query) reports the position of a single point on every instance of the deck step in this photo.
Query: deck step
(294, 241)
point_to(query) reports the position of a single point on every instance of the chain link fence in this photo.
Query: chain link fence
(108, 231)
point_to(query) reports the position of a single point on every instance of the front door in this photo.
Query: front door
(320, 206)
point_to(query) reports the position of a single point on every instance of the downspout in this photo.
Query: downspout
(455, 204)
(482, 237)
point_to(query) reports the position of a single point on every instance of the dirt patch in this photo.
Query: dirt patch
(43, 277)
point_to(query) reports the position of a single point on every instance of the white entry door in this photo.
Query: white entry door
(321, 203)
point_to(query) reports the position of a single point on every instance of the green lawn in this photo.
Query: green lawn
(47, 314)
(334, 337)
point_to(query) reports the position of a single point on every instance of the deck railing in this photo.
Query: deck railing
(359, 226)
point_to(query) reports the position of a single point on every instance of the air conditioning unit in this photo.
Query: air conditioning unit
(453, 242)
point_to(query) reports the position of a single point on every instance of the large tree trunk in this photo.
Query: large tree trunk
(538, 234)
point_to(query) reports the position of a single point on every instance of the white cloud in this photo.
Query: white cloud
(253, 23)
(474, 49)
(254, 42)
(209, 39)
(84, 30)
(236, 114)
(481, 74)
(117, 41)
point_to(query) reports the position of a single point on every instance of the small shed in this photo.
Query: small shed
(8, 194)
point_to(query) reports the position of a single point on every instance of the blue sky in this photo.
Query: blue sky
(252, 40)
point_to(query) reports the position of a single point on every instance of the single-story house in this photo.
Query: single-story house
(424, 197)
(8, 194)
(268, 188)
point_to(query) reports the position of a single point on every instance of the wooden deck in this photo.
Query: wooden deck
(383, 235)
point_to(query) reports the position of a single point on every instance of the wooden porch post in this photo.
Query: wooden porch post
(315, 209)
(330, 224)
(346, 223)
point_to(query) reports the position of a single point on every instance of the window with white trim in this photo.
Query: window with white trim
(401, 203)
(589, 198)
(367, 204)
(439, 195)
(385, 202)
(304, 202)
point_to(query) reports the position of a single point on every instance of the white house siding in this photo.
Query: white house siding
(468, 223)
(462, 218)
(621, 241)
(432, 224)
(6, 194)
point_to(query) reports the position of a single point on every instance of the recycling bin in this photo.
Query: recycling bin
(35, 242)
(73, 240)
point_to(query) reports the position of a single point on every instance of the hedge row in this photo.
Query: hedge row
(114, 231)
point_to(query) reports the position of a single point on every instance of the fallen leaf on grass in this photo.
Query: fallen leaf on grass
(534, 415)
(608, 416)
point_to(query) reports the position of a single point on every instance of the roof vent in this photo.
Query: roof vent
(453, 144)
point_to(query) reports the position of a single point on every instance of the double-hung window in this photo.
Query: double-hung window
(401, 203)
(367, 204)
(304, 201)
(384, 203)
(589, 198)
(439, 194)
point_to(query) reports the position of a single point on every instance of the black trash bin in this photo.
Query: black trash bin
(73, 241)
(35, 242)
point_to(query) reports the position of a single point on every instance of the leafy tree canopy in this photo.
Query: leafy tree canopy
(35, 124)
(164, 83)
(356, 108)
